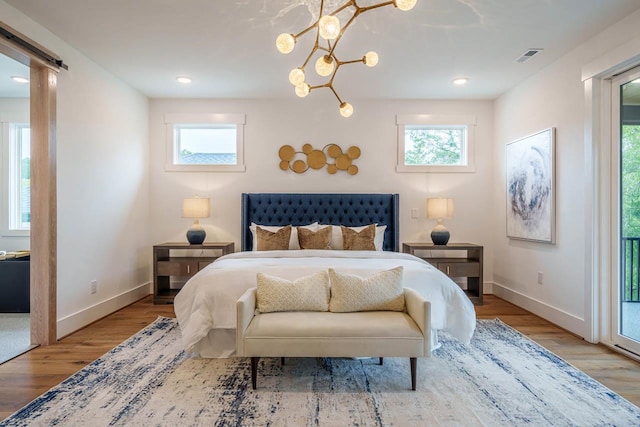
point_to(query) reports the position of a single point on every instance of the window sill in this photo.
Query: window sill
(435, 169)
(204, 168)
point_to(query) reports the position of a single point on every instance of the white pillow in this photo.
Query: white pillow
(379, 292)
(293, 240)
(309, 293)
(336, 236)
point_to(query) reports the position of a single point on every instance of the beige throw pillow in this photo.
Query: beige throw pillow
(379, 292)
(359, 241)
(320, 239)
(269, 241)
(309, 293)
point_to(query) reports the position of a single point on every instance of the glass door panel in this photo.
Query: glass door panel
(626, 294)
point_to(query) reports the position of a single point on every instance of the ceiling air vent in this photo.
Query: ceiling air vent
(527, 55)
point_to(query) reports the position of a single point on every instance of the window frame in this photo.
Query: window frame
(10, 166)
(405, 121)
(233, 119)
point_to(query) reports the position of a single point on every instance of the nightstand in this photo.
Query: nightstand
(468, 266)
(169, 269)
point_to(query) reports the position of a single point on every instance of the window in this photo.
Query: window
(205, 142)
(435, 143)
(16, 175)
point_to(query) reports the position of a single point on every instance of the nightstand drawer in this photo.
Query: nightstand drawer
(203, 264)
(177, 268)
(460, 269)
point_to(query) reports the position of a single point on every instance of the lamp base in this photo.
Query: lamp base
(196, 235)
(440, 235)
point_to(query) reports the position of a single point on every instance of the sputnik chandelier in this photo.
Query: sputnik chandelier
(330, 30)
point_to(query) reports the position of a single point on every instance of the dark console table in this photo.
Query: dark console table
(14, 285)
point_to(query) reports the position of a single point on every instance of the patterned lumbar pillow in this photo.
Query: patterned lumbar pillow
(320, 239)
(359, 241)
(380, 292)
(269, 241)
(309, 293)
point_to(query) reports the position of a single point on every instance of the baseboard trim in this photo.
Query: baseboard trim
(554, 315)
(82, 318)
(487, 288)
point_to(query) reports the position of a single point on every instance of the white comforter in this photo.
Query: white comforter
(207, 302)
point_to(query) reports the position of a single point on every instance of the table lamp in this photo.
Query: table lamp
(439, 207)
(197, 207)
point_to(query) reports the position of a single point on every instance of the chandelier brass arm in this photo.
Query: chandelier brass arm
(328, 28)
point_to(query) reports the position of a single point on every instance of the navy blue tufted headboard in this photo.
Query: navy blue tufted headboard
(351, 210)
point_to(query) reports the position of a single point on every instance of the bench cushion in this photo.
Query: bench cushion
(326, 334)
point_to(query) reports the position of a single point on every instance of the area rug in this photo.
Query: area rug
(501, 379)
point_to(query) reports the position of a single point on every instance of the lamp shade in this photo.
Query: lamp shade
(439, 207)
(197, 207)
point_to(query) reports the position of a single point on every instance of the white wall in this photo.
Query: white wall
(553, 97)
(10, 241)
(315, 120)
(103, 185)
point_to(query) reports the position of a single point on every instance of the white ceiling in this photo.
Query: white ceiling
(228, 46)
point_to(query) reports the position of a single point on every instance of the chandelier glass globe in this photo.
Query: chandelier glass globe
(296, 76)
(329, 26)
(285, 43)
(302, 89)
(324, 65)
(346, 109)
(371, 59)
(405, 5)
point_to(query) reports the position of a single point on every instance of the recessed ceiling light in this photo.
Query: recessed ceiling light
(184, 79)
(460, 81)
(20, 79)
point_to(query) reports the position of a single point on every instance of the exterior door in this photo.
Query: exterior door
(625, 296)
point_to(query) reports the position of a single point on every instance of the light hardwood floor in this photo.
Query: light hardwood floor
(26, 377)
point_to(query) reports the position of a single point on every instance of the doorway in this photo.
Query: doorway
(625, 289)
(43, 67)
(15, 212)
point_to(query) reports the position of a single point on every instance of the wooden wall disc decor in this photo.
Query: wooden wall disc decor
(353, 152)
(299, 166)
(287, 153)
(333, 150)
(316, 159)
(343, 162)
(311, 158)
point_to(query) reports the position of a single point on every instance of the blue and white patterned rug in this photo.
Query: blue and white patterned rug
(501, 379)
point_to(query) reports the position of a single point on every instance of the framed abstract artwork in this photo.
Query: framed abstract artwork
(530, 174)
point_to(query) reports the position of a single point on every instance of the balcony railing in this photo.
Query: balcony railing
(630, 251)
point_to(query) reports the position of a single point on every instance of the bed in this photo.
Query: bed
(206, 305)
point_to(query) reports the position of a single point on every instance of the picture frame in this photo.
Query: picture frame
(530, 187)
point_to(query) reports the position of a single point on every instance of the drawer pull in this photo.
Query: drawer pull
(447, 270)
(189, 269)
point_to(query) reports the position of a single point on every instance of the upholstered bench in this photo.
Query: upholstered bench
(378, 333)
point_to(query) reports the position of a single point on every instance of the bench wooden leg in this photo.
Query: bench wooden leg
(254, 371)
(381, 360)
(414, 362)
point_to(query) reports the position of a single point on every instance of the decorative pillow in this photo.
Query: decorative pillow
(293, 241)
(314, 239)
(381, 291)
(359, 240)
(309, 293)
(278, 241)
(336, 236)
